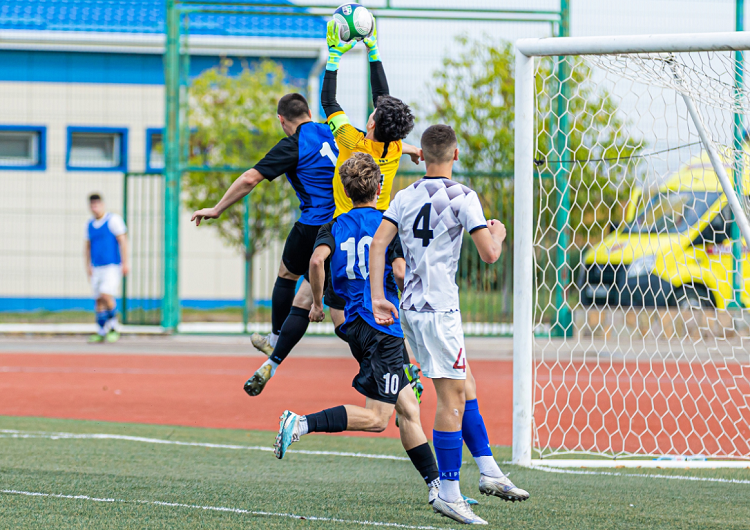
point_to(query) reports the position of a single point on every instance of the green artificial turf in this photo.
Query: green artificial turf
(347, 488)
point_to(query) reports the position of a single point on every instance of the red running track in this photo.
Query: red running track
(662, 408)
(207, 391)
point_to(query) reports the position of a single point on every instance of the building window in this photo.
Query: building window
(22, 147)
(154, 150)
(97, 149)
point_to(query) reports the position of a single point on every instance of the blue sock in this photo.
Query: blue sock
(112, 313)
(448, 447)
(474, 431)
(101, 320)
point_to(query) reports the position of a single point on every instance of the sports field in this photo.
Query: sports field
(144, 463)
(83, 474)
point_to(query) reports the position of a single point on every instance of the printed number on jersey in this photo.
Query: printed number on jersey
(328, 152)
(391, 383)
(422, 225)
(356, 255)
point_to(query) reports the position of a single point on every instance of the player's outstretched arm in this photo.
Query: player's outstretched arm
(489, 242)
(383, 311)
(317, 281)
(378, 81)
(244, 184)
(413, 151)
(336, 49)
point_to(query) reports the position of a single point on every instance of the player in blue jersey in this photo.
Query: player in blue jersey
(308, 157)
(379, 350)
(106, 258)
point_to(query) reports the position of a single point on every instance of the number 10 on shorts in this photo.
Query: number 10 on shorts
(391, 383)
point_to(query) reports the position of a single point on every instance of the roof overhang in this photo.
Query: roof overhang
(146, 43)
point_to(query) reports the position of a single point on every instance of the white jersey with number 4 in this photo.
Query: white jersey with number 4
(431, 215)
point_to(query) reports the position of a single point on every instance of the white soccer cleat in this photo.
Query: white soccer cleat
(288, 433)
(458, 511)
(433, 494)
(262, 343)
(501, 487)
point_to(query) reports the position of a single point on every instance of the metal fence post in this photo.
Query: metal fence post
(249, 305)
(172, 170)
(563, 322)
(737, 247)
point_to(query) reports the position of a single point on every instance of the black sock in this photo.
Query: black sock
(343, 336)
(291, 333)
(281, 302)
(328, 420)
(423, 459)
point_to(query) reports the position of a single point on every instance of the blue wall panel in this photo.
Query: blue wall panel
(139, 69)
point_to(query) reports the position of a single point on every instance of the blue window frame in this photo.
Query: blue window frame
(154, 150)
(23, 147)
(97, 149)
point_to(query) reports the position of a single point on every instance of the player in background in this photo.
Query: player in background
(307, 155)
(387, 126)
(378, 349)
(430, 217)
(106, 257)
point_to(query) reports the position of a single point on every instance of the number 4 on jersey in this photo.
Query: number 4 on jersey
(460, 363)
(424, 233)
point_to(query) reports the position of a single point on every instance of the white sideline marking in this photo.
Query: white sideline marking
(639, 475)
(11, 433)
(218, 509)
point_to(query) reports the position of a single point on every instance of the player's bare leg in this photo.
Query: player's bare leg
(292, 331)
(492, 480)
(282, 301)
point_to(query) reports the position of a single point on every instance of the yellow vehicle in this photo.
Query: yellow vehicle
(674, 247)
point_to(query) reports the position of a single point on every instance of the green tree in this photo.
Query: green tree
(474, 92)
(233, 123)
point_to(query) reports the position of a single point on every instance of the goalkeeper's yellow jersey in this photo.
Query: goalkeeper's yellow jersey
(350, 140)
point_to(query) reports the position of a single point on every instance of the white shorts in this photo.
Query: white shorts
(106, 280)
(437, 340)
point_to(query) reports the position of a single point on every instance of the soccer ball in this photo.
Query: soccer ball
(355, 22)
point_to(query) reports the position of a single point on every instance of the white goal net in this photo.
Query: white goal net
(634, 154)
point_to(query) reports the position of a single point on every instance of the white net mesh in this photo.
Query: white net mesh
(642, 336)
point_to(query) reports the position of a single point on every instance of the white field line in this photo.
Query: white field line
(639, 475)
(218, 509)
(11, 433)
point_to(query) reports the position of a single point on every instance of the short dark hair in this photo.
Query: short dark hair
(95, 197)
(438, 144)
(360, 176)
(393, 119)
(293, 106)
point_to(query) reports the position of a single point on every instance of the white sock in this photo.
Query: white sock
(273, 365)
(450, 490)
(302, 426)
(488, 466)
(111, 324)
(434, 484)
(272, 339)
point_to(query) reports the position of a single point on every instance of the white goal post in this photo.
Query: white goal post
(635, 180)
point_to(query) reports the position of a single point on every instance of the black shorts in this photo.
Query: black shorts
(299, 247)
(381, 362)
(330, 298)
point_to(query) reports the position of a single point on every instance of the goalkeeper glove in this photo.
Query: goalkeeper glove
(336, 47)
(373, 54)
